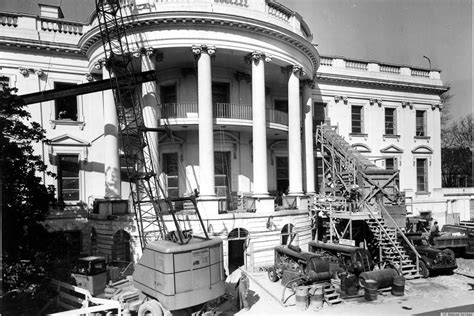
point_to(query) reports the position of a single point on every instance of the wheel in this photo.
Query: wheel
(424, 269)
(272, 275)
(150, 308)
(450, 253)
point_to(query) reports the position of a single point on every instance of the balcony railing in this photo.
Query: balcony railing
(352, 64)
(8, 20)
(220, 110)
(55, 25)
(420, 73)
(390, 69)
(326, 61)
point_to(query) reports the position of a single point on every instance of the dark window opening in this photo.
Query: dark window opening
(391, 163)
(421, 174)
(420, 123)
(282, 174)
(357, 120)
(319, 114)
(66, 107)
(281, 105)
(222, 173)
(4, 82)
(170, 168)
(68, 177)
(390, 128)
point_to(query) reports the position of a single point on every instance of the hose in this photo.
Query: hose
(284, 289)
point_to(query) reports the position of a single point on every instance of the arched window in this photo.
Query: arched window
(121, 246)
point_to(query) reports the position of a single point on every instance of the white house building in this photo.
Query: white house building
(240, 89)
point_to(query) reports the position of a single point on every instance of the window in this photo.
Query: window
(68, 177)
(391, 163)
(282, 178)
(390, 121)
(222, 173)
(4, 82)
(220, 92)
(421, 174)
(319, 114)
(281, 105)
(169, 98)
(221, 99)
(357, 119)
(168, 94)
(170, 168)
(421, 123)
(319, 172)
(66, 107)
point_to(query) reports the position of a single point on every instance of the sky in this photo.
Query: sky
(400, 32)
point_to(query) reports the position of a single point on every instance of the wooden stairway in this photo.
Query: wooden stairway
(390, 248)
(331, 297)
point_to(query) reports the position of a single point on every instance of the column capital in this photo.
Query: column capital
(199, 49)
(99, 64)
(307, 83)
(256, 56)
(149, 52)
(295, 69)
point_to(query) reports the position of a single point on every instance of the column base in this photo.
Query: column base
(296, 201)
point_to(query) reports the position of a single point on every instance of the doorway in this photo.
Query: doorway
(237, 248)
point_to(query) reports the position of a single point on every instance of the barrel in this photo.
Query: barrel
(383, 277)
(351, 285)
(343, 277)
(398, 286)
(370, 290)
(301, 297)
(316, 297)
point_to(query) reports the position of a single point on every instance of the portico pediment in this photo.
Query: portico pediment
(391, 149)
(67, 140)
(362, 148)
(422, 149)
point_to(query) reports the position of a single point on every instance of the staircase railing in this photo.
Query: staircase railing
(387, 214)
(385, 232)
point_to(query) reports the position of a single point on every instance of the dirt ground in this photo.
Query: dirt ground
(421, 296)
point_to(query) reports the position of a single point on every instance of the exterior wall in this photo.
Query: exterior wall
(253, 26)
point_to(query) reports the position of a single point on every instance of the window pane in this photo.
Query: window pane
(220, 92)
(356, 119)
(281, 105)
(420, 123)
(168, 94)
(421, 175)
(66, 107)
(389, 121)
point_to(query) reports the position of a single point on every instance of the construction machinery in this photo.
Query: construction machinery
(360, 202)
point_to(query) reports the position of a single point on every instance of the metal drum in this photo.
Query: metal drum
(316, 297)
(351, 285)
(301, 297)
(383, 277)
(398, 287)
(371, 287)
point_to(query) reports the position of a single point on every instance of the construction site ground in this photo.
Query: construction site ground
(442, 293)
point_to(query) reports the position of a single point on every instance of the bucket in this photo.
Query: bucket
(370, 292)
(316, 297)
(383, 277)
(398, 287)
(301, 297)
(351, 285)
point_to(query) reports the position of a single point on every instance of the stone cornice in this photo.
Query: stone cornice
(43, 46)
(200, 19)
(378, 83)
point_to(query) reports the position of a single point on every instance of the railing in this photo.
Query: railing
(420, 73)
(8, 20)
(390, 69)
(178, 110)
(53, 25)
(279, 11)
(352, 64)
(230, 110)
(220, 110)
(326, 61)
(243, 3)
(237, 203)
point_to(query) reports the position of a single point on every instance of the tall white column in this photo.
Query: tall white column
(111, 144)
(294, 132)
(259, 134)
(151, 115)
(206, 141)
(308, 135)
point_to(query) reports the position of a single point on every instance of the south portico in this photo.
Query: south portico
(295, 78)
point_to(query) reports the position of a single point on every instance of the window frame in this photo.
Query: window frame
(61, 178)
(362, 127)
(168, 176)
(425, 123)
(54, 122)
(425, 184)
(394, 121)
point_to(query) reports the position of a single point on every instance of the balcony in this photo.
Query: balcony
(170, 111)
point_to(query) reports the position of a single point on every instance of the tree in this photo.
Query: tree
(456, 153)
(25, 200)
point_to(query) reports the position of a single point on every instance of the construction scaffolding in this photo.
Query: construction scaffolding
(360, 202)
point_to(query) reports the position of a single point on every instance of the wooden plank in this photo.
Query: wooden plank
(90, 87)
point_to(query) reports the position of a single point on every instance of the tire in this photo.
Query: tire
(424, 272)
(150, 308)
(450, 252)
(272, 275)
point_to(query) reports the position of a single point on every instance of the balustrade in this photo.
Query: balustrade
(8, 20)
(420, 73)
(326, 61)
(53, 25)
(279, 11)
(352, 64)
(390, 69)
